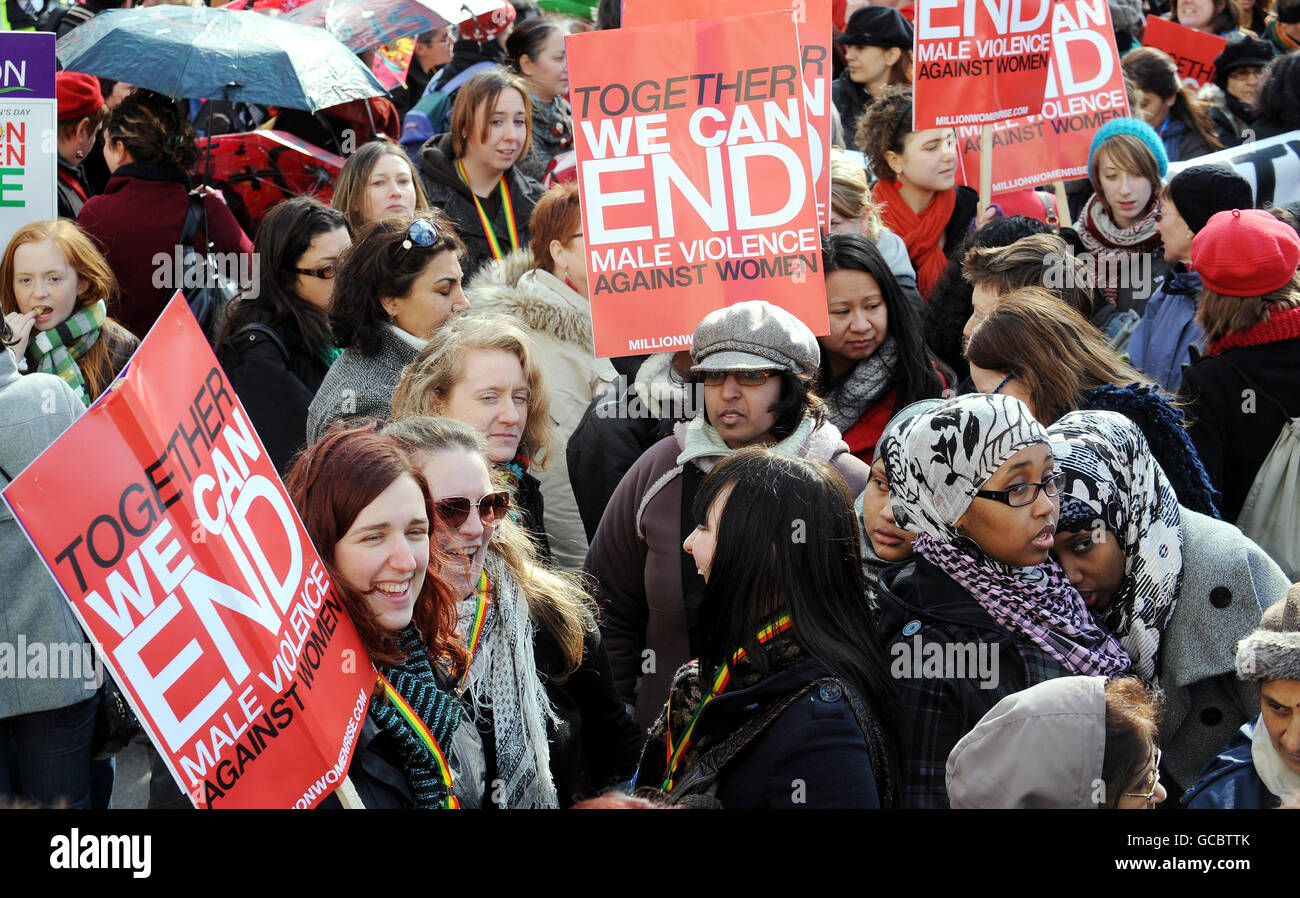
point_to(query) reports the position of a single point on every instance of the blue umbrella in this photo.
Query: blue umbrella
(195, 51)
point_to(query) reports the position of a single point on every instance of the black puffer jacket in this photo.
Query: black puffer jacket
(450, 194)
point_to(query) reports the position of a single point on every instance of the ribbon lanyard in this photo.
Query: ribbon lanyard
(483, 593)
(506, 205)
(772, 630)
(422, 730)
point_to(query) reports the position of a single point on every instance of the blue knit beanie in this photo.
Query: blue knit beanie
(1139, 129)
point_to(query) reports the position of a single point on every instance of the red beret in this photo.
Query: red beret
(79, 95)
(1245, 252)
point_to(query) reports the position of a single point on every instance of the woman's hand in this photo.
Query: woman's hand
(21, 323)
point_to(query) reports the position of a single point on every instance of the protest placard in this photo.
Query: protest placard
(695, 176)
(1193, 50)
(979, 61)
(185, 561)
(813, 18)
(1085, 89)
(1271, 167)
(28, 131)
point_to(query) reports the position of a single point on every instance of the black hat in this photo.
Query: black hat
(877, 26)
(1202, 190)
(1242, 50)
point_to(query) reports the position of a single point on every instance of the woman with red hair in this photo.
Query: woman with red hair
(367, 510)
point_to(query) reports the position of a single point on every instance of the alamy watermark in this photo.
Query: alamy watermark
(184, 268)
(1120, 271)
(915, 659)
(23, 660)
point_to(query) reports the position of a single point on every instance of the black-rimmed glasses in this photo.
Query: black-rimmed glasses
(1025, 493)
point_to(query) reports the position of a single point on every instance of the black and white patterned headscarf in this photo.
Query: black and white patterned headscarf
(936, 461)
(1113, 481)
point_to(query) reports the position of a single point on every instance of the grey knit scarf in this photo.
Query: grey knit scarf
(503, 683)
(869, 380)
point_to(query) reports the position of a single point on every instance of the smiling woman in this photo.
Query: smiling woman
(536, 51)
(367, 509)
(538, 684)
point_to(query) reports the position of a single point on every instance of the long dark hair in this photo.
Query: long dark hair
(1277, 97)
(376, 267)
(284, 235)
(788, 539)
(915, 376)
(1155, 71)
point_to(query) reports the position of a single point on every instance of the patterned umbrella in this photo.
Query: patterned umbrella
(195, 51)
(264, 167)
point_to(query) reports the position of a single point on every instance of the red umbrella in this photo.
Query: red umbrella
(264, 167)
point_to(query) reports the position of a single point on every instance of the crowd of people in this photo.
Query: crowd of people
(1019, 531)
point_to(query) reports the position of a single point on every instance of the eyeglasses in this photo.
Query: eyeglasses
(1025, 493)
(1149, 796)
(421, 232)
(747, 378)
(454, 510)
(325, 274)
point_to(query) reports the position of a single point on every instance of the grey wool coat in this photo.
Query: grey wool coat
(34, 410)
(1227, 582)
(358, 386)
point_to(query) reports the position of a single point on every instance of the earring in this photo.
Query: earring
(898, 181)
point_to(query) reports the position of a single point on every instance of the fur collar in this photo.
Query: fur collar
(536, 298)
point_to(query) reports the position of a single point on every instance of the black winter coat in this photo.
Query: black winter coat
(276, 383)
(1233, 433)
(450, 194)
(532, 514)
(851, 100)
(596, 744)
(813, 755)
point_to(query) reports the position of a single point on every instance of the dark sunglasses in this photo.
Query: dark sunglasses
(325, 274)
(744, 378)
(454, 510)
(421, 232)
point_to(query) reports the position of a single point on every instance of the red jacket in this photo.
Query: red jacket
(140, 214)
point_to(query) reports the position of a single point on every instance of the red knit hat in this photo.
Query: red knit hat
(1245, 252)
(78, 95)
(488, 25)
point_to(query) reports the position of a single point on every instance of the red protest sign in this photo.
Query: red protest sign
(184, 559)
(813, 18)
(979, 61)
(1085, 89)
(695, 176)
(1193, 50)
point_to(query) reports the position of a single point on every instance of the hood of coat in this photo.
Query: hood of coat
(1182, 281)
(1042, 747)
(536, 298)
(438, 164)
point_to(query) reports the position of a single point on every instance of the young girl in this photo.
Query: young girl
(55, 287)
(472, 173)
(378, 181)
(1117, 225)
(917, 190)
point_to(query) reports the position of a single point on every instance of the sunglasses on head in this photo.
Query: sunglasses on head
(421, 232)
(454, 510)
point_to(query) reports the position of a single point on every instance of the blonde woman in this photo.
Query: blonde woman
(485, 371)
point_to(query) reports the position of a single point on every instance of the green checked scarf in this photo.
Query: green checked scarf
(56, 350)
